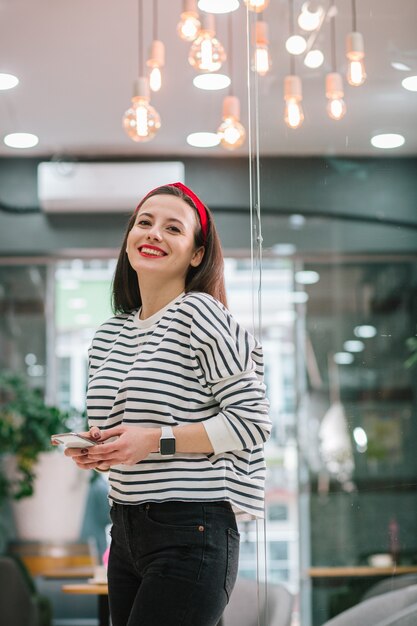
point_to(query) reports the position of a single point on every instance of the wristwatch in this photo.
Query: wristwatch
(167, 442)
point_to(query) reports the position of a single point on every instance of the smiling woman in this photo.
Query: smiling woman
(176, 400)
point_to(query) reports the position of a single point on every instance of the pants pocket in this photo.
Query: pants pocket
(233, 539)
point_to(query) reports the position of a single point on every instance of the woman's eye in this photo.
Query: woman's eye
(143, 222)
(174, 228)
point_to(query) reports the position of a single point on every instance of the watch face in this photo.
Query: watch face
(167, 446)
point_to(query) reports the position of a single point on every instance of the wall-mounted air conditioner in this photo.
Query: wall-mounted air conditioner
(101, 187)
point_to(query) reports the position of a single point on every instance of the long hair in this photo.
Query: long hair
(208, 277)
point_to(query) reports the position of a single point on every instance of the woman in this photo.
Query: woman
(177, 402)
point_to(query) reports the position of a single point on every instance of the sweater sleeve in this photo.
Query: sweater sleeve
(231, 364)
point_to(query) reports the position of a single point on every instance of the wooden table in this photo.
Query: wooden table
(101, 591)
(357, 571)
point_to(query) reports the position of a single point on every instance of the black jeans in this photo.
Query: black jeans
(172, 563)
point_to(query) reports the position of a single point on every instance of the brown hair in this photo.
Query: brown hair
(208, 277)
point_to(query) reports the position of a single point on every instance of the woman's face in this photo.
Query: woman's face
(162, 238)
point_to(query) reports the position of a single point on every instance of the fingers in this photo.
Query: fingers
(116, 431)
(95, 433)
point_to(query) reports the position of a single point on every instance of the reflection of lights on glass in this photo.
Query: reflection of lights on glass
(307, 277)
(284, 249)
(231, 132)
(218, 6)
(21, 140)
(336, 107)
(355, 53)
(361, 439)
(310, 20)
(365, 331)
(211, 82)
(354, 345)
(203, 140)
(77, 303)
(293, 95)
(189, 25)
(410, 83)
(314, 59)
(30, 359)
(8, 81)
(386, 141)
(401, 67)
(297, 221)
(343, 358)
(141, 122)
(296, 44)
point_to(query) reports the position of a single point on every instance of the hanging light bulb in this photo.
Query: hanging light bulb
(189, 25)
(262, 59)
(155, 62)
(293, 95)
(207, 53)
(336, 107)
(257, 5)
(309, 19)
(355, 52)
(141, 122)
(231, 132)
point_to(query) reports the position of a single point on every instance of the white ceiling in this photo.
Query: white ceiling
(77, 59)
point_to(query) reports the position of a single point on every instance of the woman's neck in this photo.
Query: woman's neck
(155, 297)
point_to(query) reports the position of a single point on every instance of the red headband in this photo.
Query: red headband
(201, 209)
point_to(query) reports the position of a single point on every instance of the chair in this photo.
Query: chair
(379, 610)
(242, 609)
(390, 584)
(406, 617)
(18, 601)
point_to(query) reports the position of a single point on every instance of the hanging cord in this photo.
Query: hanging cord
(291, 30)
(354, 16)
(230, 47)
(333, 37)
(155, 20)
(140, 38)
(256, 239)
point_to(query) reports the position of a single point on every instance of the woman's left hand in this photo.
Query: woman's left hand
(132, 444)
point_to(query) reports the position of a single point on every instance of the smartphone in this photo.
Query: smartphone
(73, 440)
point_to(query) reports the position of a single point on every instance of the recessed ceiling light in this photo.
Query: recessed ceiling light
(296, 44)
(307, 277)
(402, 67)
(354, 345)
(284, 249)
(297, 220)
(218, 6)
(8, 81)
(203, 140)
(211, 82)
(365, 331)
(343, 358)
(21, 140)
(386, 141)
(410, 83)
(314, 59)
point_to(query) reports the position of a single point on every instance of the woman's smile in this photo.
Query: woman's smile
(151, 251)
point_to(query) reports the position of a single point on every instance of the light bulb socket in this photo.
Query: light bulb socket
(261, 33)
(231, 107)
(189, 6)
(334, 85)
(156, 54)
(355, 49)
(141, 88)
(208, 23)
(293, 89)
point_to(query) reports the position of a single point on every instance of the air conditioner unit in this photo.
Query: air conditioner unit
(101, 187)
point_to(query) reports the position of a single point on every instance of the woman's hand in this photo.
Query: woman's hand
(80, 455)
(131, 445)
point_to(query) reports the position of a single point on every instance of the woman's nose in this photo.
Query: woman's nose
(153, 233)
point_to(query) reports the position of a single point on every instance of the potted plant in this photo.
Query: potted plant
(47, 490)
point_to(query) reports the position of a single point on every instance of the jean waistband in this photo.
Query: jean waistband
(225, 504)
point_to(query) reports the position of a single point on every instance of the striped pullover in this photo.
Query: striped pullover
(190, 362)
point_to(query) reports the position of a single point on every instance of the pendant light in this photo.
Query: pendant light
(293, 90)
(189, 25)
(231, 132)
(141, 121)
(257, 5)
(355, 52)
(262, 58)
(207, 53)
(336, 107)
(156, 59)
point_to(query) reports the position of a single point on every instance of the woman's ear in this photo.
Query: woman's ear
(197, 257)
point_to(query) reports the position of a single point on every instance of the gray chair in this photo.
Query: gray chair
(18, 606)
(242, 609)
(377, 611)
(390, 584)
(406, 617)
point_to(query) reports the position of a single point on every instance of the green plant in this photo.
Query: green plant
(411, 344)
(26, 425)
